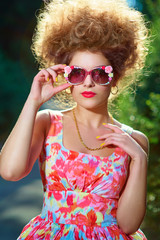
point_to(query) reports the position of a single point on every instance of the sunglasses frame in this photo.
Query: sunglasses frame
(107, 69)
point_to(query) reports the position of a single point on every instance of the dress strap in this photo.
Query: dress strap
(127, 129)
(55, 116)
(56, 123)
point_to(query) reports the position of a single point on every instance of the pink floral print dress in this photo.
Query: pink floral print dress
(81, 192)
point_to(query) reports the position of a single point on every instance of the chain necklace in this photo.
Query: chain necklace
(81, 140)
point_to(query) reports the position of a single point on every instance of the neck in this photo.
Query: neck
(92, 117)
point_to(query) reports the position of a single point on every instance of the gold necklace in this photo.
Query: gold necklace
(81, 140)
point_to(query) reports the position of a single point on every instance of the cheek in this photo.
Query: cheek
(105, 90)
(75, 90)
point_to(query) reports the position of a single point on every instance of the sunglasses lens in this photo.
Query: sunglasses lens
(99, 76)
(76, 76)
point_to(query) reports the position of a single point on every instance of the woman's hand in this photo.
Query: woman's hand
(43, 84)
(124, 141)
(131, 207)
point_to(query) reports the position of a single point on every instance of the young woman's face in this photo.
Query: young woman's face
(88, 94)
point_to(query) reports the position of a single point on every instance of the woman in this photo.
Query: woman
(93, 167)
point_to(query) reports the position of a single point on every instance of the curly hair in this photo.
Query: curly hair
(109, 26)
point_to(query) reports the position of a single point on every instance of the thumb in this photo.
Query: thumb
(62, 87)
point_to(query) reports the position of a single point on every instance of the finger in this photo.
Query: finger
(59, 67)
(47, 72)
(113, 127)
(55, 70)
(43, 73)
(42, 79)
(112, 142)
(52, 73)
(120, 140)
(62, 87)
(108, 135)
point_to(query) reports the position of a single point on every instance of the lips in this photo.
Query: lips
(87, 94)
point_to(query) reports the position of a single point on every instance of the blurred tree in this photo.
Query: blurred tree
(17, 66)
(141, 111)
(151, 112)
(17, 23)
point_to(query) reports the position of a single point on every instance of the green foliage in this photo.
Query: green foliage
(133, 115)
(14, 89)
(17, 67)
(154, 126)
(141, 111)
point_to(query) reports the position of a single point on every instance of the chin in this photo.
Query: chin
(91, 105)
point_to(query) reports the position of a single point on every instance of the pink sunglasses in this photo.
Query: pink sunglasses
(100, 75)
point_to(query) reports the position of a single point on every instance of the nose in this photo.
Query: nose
(88, 82)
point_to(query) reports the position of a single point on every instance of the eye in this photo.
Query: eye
(77, 75)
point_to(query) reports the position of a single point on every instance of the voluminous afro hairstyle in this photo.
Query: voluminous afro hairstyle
(109, 26)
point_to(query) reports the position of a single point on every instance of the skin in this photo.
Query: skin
(25, 142)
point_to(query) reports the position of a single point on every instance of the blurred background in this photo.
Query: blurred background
(20, 201)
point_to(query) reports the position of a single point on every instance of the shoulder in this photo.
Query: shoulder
(47, 115)
(47, 118)
(44, 118)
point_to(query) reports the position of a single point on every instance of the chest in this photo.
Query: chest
(62, 169)
(79, 139)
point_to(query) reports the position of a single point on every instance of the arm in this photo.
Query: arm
(24, 144)
(132, 203)
(22, 148)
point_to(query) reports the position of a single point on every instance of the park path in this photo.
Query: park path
(19, 203)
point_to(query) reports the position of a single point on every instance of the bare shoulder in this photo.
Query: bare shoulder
(43, 117)
(46, 116)
(141, 139)
(42, 124)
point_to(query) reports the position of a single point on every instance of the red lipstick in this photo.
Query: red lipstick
(88, 94)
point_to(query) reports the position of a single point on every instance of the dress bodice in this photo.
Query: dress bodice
(64, 169)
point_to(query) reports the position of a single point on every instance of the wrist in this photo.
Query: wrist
(140, 160)
(141, 156)
(33, 102)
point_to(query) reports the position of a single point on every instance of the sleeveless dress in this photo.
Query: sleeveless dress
(81, 192)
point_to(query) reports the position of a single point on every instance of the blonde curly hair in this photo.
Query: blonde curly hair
(109, 26)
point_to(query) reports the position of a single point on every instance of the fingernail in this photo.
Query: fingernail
(102, 144)
(98, 137)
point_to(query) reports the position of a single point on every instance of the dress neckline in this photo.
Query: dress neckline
(86, 154)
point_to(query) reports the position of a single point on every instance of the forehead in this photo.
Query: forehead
(88, 59)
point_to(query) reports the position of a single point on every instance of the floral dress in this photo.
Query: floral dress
(81, 192)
